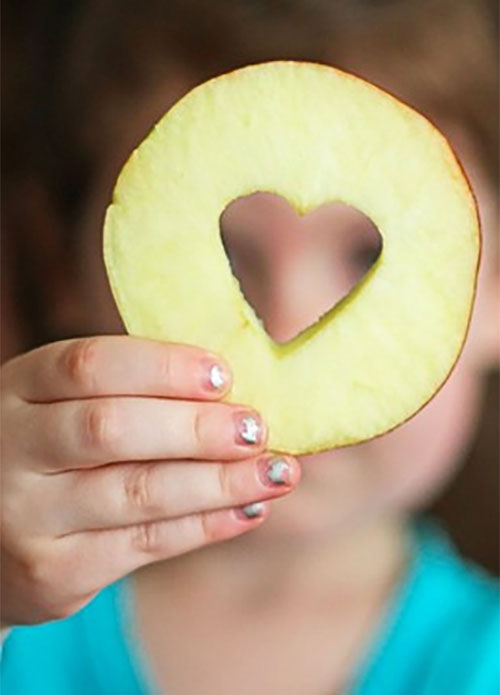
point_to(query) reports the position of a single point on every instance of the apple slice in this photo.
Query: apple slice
(313, 135)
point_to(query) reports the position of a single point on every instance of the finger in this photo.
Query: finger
(114, 553)
(78, 434)
(117, 365)
(133, 493)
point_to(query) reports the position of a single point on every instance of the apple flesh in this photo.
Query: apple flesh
(313, 135)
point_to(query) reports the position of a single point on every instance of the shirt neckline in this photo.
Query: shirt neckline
(423, 536)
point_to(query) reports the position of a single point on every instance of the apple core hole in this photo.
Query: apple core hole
(294, 269)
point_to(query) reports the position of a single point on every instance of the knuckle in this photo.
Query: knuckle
(100, 427)
(204, 433)
(208, 532)
(198, 427)
(138, 488)
(146, 538)
(79, 363)
(165, 367)
(226, 484)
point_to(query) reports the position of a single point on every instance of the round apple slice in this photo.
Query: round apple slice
(313, 135)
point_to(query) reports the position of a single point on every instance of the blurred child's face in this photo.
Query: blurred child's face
(292, 271)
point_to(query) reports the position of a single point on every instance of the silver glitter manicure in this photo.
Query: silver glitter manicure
(217, 377)
(250, 430)
(279, 471)
(253, 510)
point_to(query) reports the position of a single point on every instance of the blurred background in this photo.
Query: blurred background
(75, 81)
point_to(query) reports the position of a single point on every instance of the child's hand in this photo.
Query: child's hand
(115, 455)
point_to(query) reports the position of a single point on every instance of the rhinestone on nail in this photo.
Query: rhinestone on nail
(250, 430)
(253, 510)
(278, 471)
(217, 378)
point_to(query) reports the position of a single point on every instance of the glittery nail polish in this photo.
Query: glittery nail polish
(216, 377)
(248, 429)
(275, 471)
(251, 511)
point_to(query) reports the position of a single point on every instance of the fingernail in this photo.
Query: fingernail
(215, 377)
(250, 511)
(248, 429)
(275, 471)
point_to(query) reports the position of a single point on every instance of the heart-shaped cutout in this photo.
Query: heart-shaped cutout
(294, 269)
(314, 135)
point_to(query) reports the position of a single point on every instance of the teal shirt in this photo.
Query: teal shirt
(440, 634)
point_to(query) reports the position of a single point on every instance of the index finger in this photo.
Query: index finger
(117, 365)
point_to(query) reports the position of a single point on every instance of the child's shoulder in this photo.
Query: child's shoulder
(433, 553)
(459, 592)
(462, 603)
(442, 633)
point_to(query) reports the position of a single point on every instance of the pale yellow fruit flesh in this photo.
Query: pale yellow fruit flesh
(313, 135)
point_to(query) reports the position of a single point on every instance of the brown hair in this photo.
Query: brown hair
(438, 54)
(82, 81)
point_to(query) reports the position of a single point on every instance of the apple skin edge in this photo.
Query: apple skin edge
(464, 180)
(467, 328)
(468, 184)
